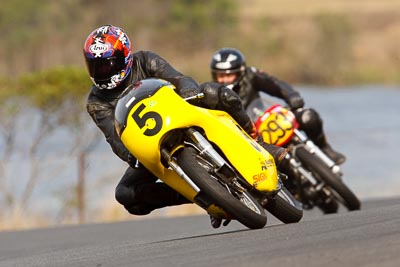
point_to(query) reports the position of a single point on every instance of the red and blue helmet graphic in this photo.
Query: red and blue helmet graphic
(108, 56)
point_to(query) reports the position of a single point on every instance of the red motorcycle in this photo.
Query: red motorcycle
(313, 178)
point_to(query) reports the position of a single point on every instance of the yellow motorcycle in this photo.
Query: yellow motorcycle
(203, 154)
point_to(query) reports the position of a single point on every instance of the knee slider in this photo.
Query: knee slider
(310, 120)
(127, 198)
(124, 195)
(139, 210)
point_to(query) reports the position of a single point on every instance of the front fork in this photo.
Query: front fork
(221, 168)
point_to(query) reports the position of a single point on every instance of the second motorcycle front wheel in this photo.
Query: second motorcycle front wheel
(285, 207)
(240, 205)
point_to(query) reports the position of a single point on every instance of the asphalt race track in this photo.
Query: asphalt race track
(370, 237)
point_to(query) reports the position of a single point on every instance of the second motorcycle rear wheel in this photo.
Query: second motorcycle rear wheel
(333, 181)
(285, 207)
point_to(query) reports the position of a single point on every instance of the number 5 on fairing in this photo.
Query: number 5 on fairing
(141, 121)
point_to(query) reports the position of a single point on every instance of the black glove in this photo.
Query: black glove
(187, 88)
(295, 101)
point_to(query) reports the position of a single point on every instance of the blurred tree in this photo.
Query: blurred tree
(57, 96)
(9, 110)
(57, 93)
(35, 32)
(198, 24)
(38, 34)
(332, 50)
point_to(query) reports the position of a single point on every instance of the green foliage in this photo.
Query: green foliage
(372, 75)
(7, 89)
(22, 19)
(201, 23)
(29, 27)
(48, 89)
(41, 34)
(200, 15)
(24, 15)
(329, 54)
(8, 92)
(59, 93)
(334, 45)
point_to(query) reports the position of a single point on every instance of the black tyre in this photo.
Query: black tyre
(323, 172)
(242, 207)
(285, 207)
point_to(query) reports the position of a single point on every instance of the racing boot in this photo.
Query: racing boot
(216, 222)
(322, 143)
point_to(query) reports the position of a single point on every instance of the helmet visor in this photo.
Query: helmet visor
(104, 68)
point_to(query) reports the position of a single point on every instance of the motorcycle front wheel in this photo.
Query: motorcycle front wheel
(239, 205)
(324, 173)
(285, 207)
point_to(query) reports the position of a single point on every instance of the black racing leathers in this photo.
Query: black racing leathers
(255, 81)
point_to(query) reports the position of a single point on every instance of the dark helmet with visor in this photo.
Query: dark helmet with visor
(108, 55)
(228, 60)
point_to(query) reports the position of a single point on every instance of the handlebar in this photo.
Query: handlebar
(199, 95)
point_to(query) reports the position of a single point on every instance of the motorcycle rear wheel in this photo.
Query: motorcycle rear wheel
(340, 190)
(246, 210)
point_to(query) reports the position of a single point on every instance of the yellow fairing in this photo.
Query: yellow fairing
(250, 159)
(255, 164)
